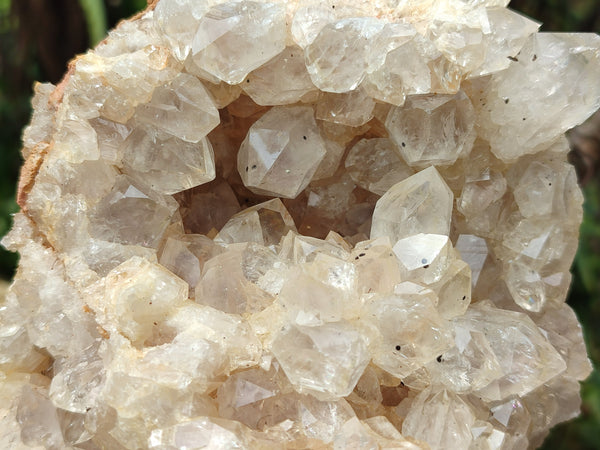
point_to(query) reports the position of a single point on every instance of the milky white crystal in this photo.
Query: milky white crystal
(300, 224)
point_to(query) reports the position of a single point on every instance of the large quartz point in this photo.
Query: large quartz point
(325, 360)
(265, 223)
(191, 164)
(421, 203)
(281, 152)
(183, 108)
(282, 80)
(237, 37)
(375, 165)
(300, 224)
(433, 129)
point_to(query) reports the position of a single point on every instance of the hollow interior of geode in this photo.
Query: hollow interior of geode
(321, 195)
(310, 168)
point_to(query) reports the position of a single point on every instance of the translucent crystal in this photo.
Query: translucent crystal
(460, 40)
(564, 333)
(77, 140)
(421, 203)
(480, 199)
(309, 20)
(182, 108)
(234, 340)
(84, 369)
(377, 268)
(512, 418)
(185, 256)
(325, 360)
(235, 38)
(441, 419)
(208, 206)
(139, 293)
(353, 109)
(473, 250)
(549, 188)
(229, 279)
(330, 163)
(265, 224)
(41, 127)
(327, 296)
(527, 363)
(130, 216)
(111, 83)
(425, 335)
(251, 397)
(280, 81)
(549, 409)
(348, 46)
(433, 129)
(424, 258)
(281, 152)
(470, 365)
(203, 432)
(507, 34)
(168, 164)
(337, 205)
(454, 290)
(405, 70)
(538, 90)
(39, 418)
(375, 165)
(178, 21)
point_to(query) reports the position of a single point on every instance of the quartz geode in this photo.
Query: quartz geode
(301, 224)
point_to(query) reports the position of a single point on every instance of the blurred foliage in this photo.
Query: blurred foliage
(38, 37)
(562, 15)
(95, 17)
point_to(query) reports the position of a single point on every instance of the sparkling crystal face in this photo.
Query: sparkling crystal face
(301, 224)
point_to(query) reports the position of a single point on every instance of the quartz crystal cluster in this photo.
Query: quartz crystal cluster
(265, 224)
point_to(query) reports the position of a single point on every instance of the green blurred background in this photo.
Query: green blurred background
(39, 37)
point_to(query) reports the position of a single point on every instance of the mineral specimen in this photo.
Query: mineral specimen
(300, 224)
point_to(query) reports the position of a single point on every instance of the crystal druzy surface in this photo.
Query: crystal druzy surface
(300, 224)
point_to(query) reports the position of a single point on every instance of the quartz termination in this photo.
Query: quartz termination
(300, 224)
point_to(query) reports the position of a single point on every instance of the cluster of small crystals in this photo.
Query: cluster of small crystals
(301, 224)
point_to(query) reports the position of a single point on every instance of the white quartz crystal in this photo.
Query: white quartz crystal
(433, 129)
(234, 38)
(281, 152)
(300, 224)
(265, 223)
(375, 165)
(282, 80)
(325, 360)
(441, 418)
(340, 55)
(407, 207)
(190, 164)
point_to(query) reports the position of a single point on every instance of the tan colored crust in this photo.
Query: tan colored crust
(103, 333)
(32, 164)
(29, 171)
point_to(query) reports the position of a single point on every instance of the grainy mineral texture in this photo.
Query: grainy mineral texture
(264, 224)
